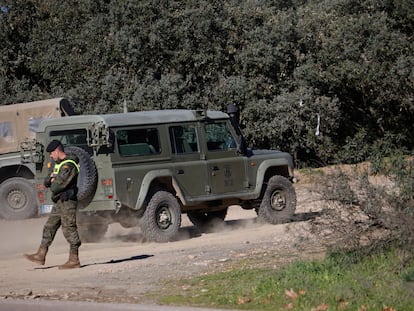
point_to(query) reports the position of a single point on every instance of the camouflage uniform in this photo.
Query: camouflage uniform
(64, 194)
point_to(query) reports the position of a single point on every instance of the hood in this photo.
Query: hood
(272, 154)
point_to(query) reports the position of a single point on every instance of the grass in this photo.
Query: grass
(343, 281)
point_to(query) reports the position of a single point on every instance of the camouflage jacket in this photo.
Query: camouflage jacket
(65, 178)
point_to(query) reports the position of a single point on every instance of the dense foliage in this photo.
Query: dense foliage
(320, 79)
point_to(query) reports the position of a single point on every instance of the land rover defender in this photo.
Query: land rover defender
(147, 168)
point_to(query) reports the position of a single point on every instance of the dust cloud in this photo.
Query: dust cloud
(24, 236)
(236, 218)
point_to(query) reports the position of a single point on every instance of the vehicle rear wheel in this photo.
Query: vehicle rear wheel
(279, 201)
(18, 197)
(206, 221)
(162, 218)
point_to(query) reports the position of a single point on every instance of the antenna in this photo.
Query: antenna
(125, 106)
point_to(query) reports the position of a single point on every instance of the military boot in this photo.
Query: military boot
(38, 257)
(73, 261)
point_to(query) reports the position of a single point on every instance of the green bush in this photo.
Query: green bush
(308, 76)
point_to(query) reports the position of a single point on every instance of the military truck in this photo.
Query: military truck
(148, 168)
(18, 123)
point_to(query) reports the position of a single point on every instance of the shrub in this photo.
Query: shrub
(368, 207)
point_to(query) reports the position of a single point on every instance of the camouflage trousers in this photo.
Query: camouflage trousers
(63, 214)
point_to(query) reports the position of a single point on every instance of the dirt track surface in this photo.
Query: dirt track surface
(122, 268)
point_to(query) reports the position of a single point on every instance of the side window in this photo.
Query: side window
(219, 137)
(138, 142)
(183, 139)
(6, 134)
(34, 123)
(6, 129)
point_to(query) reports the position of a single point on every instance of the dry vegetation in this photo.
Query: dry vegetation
(365, 211)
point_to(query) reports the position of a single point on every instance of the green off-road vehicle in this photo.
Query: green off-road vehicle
(147, 168)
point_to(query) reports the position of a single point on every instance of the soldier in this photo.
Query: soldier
(62, 181)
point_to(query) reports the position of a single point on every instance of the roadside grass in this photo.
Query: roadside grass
(342, 281)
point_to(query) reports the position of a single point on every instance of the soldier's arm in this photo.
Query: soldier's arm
(48, 179)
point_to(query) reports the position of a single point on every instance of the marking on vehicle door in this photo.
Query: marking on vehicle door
(227, 171)
(228, 181)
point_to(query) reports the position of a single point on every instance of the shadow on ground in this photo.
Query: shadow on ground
(108, 262)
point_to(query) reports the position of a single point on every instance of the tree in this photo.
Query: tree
(350, 63)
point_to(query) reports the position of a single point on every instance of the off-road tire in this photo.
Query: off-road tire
(279, 201)
(88, 176)
(18, 199)
(206, 221)
(162, 218)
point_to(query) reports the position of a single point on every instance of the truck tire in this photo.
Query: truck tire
(18, 199)
(162, 218)
(88, 176)
(279, 201)
(206, 221)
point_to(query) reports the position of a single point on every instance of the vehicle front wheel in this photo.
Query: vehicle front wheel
(279, 201)
(162, 218)
(18, 198)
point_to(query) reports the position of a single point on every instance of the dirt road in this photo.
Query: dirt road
(122, 268)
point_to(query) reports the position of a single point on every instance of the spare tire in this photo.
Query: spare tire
(88, 176)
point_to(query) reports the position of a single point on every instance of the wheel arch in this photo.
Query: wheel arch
(17, 170)
(155, 181)
(270, 168)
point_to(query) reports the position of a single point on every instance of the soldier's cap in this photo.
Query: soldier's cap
(53, 145)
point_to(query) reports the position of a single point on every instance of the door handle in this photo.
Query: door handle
(129, 183)
(215, 168)
(180, 171)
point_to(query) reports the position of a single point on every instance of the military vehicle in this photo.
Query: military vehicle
(18, 124)
(148, 168)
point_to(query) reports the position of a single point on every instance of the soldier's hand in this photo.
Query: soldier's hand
(55, 198)
(47, 182)
(64, 196)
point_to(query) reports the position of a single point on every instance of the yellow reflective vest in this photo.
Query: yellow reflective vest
(57, 166)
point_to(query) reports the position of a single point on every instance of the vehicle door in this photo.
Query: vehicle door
(225, 166)
(138, 152)
(189, 166)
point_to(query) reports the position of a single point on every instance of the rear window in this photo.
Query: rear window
(77, 138)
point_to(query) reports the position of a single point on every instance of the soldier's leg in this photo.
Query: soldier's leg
(69, 226)
(70, 231)
(52, 225)
(49, 232)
